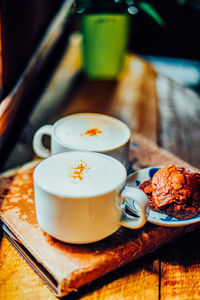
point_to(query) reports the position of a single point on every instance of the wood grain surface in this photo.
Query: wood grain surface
(179, 122)
(152, 105)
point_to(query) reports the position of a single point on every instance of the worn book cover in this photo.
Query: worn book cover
(66, 267)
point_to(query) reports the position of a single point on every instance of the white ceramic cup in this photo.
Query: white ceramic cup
(85, 132)
(79, 197)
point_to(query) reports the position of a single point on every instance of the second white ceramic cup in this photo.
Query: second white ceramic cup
(85, 132)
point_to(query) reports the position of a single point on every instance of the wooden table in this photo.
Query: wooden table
(154, 106)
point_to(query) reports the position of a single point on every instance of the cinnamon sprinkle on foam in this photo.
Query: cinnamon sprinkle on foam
(92, 132)
(79, 170)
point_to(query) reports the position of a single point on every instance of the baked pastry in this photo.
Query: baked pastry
(175, 191)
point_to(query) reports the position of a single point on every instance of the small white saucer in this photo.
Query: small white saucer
(138, 177)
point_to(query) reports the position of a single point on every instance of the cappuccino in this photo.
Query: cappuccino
(85, 132)
(91, 132)
(80, 174)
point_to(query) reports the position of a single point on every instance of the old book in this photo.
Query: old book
(65, 267)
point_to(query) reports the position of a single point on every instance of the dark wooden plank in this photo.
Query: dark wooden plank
(179, 132)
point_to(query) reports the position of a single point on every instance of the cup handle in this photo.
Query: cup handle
(141, 200)
(38, 145)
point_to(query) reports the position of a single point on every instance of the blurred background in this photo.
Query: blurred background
(166, 32)
(173, 48)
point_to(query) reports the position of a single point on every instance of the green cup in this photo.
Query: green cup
(104, 44)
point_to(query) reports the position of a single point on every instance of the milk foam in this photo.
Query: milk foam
(72, 132)
(101, 174)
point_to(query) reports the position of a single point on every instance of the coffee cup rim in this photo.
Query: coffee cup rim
(124, 125)
(76, 196)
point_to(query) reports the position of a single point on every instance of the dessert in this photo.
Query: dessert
(175, 191)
